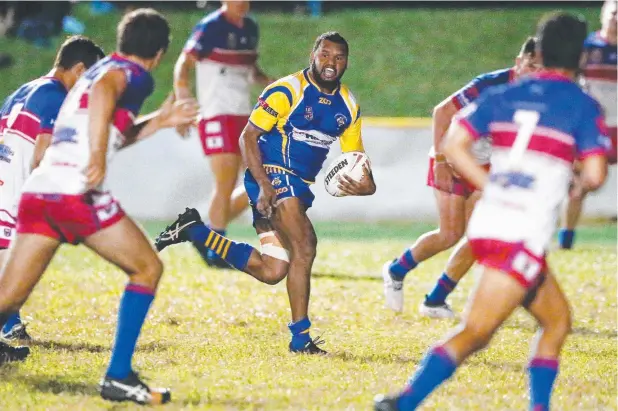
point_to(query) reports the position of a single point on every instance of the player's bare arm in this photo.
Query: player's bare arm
(253, 159)
(456, 147)
(104, 95)
(42, 142)
(365, 187)
(442, 115)
(182, 83)
(172, 113)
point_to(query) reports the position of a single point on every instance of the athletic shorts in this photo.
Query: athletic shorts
(221, 134)
(513, 259)
(67, 218)
(286, 185)
(614, 150)
(460, 186)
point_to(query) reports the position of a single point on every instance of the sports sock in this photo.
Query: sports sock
(235, 254)
(435, 368)
(400, 267)
(543, 372)
(441, 290)
(11, 322)
(3, 318)
(210, 254)
(566, 238)
(134, 306)
(300, 333)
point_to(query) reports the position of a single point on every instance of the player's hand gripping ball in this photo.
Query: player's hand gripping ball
(351, 164)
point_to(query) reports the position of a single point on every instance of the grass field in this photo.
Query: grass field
(218, 338)
(402, 63)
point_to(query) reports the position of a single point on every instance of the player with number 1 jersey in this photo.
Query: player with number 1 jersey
(538, 126)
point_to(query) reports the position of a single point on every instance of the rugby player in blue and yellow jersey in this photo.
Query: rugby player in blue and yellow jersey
(284, 145)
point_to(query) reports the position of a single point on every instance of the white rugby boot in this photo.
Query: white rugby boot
(393, 289)
(436, 310)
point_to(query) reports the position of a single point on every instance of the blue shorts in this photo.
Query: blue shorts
(286, 185)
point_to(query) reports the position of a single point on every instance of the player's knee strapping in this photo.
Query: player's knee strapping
(271, 246)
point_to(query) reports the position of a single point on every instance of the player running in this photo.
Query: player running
(223, 51)
(284, 145)
(64, 200)
(600, 81)
(455, 197)
(538, 127)
(27, 119)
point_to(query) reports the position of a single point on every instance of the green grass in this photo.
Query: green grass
(218, 338)
(402, 62)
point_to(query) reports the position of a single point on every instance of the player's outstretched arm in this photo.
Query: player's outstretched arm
(105, 92)
(457, 149)
(172, 113)
(253, 159)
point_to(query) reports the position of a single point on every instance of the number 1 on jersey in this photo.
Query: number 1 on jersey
(526, 121)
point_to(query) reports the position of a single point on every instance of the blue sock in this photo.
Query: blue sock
(400, 267)
(442, 289)
(211, 255)
(435, 368)
(11, 322)
(543, 373)
(134, 306)
(235, 254)
(566, 238)
(300, 333)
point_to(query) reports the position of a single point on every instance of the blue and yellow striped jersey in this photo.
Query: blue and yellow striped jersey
(300, 123)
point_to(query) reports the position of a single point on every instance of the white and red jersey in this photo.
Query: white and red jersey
(600, 74)
(27, 113)
(539, 127)
(226, 56)
(62, 170)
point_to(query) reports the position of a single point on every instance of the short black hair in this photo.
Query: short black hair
(529, 46)
(142, 33)
(561, 40)
(333, 36)
(78, 49)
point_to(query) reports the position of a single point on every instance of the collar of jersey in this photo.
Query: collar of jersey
(551, 75)
(116, 56)
(306, 74)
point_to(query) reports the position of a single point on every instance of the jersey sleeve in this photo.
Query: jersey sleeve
(201, 42)
(592, 136)
(273, 104)
(46, 106)
(467, 94)
(351, 139)
(477, 116)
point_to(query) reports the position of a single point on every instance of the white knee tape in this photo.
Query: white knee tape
(277, 252)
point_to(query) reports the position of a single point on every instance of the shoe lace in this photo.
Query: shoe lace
(317, 341)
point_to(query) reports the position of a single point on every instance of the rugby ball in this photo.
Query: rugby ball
(350, 163)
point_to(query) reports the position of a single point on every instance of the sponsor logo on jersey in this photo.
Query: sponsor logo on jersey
(335, 169)
(7, 232)
(231, 41)
(6, 153)
(281, 190)
(308, 113)
(324, 100)
(313, 138)
(276, 181)
(513, 179)
(262, 103)
(64, 135)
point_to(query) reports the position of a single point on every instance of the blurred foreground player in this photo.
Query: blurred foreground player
(455, 197)
(538, 126)
(600, 81)
(223, 51)
(27, 120)
(64, 201)
(284, 145)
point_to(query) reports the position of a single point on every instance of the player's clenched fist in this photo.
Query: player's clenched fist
(175, 113)
(266, 200)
